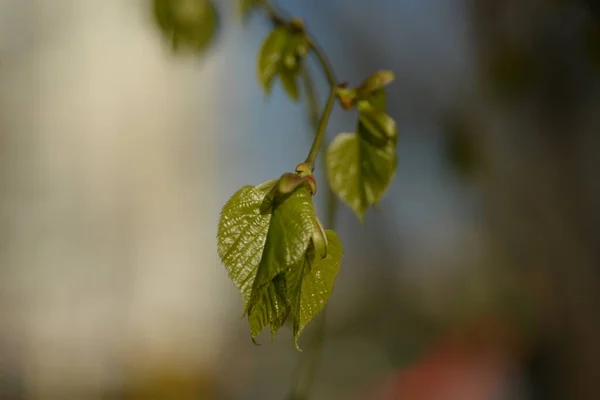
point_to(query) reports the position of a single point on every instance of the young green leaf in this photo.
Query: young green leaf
(376, 99)
(262, 233)
(270, 308)
(187, 24)
(310, 283)
(281, 55)
(358, 171)
(290, 83)
(242, 233)
(377, 81)
(270, 55)
(289, 232)
(378, 123)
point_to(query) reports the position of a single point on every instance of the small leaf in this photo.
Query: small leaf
(377, 99)
(187, 24)
(291, 63)
(310, 284)
(281, 55)
(378, 123)
(358, 171)
(372, 136)
(290, 83)
(377, 81)
(269, 58)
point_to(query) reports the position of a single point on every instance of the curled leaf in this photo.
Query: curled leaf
(378, 123)
(376, 99)
(278, 254)
(319, 239)
(260, 236)
(377, 81)
(290, 83)
(310, 284)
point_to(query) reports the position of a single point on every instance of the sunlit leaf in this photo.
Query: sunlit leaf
(310, 283)
(289, 231)
(358, 171)
(242, 233)
(261, 234)
(269, 308)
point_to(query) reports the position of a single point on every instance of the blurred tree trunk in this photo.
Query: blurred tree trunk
(539, 120)
(107, 160)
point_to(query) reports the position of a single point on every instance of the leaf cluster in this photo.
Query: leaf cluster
(269, 238)
(278, 254)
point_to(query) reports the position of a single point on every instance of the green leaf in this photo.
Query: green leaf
(162, 15)
(310, 284)
(374, 137)
(281, 55)
(261, 234)
(378, 123)
(377, 81)
(376, 99)
(270, 55)
(287, 239)
(187, 24)
(270, 308)
(358, 171)
(290, 83)
(242, 233)
(289, 231)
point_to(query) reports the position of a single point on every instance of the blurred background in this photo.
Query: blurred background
(478, 276)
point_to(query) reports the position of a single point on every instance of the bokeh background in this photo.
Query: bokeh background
(478, 277)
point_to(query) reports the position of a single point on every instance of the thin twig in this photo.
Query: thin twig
(307, 368)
